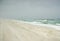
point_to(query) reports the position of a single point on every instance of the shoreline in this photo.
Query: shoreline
(13, 30)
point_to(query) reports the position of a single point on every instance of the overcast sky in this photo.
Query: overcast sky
(30, 9)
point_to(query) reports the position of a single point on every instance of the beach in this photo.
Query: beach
(13, 30)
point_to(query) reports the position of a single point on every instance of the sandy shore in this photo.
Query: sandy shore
(11, 30)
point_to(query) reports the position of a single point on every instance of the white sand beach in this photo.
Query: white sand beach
(12, 30)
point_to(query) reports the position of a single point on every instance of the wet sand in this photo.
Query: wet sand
(11, 30)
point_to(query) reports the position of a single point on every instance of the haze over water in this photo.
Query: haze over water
(30, 9)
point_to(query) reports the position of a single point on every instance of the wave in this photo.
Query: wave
(47, 23)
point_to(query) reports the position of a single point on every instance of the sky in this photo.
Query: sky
(30, 9)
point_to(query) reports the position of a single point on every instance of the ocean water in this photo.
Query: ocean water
(49, 21)
(45, 21)
(52, 23)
